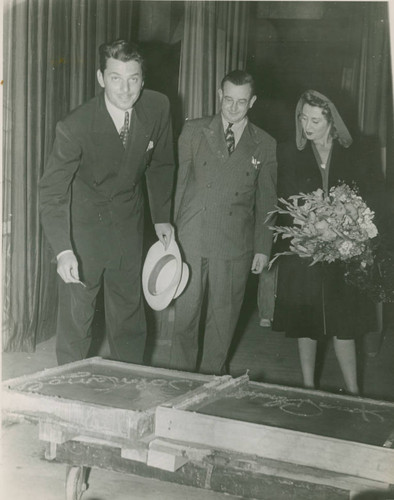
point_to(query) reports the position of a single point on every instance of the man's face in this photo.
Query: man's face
(122, 82)
(235, 101)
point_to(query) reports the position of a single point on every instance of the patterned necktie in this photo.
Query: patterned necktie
(229, 136)
(124, 131)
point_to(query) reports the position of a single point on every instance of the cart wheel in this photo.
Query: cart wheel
(76, 483)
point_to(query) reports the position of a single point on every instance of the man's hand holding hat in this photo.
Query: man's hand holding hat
(164, 275)
(164, 232)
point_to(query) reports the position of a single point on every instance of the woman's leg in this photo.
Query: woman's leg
(307, 351)
(345, 351)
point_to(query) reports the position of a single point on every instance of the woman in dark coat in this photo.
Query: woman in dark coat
(313, 302)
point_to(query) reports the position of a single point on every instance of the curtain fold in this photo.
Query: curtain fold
(368, 77)
(214, 43)
(374, 72)
(50, 60)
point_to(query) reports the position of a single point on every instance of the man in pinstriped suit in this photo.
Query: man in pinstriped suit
(226, 186)
(92, 204)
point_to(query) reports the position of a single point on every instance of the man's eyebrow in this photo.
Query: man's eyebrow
(118, 74)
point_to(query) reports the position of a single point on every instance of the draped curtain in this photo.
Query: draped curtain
(368, 79)
(214, 42)
(50, 61)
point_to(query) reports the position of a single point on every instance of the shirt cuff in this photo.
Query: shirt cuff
(63, 252)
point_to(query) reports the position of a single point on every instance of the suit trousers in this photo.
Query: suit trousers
(220, 284)
(124, 315)
(266, 292)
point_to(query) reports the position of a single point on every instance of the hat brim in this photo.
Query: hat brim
(184, 279)
(162, 275)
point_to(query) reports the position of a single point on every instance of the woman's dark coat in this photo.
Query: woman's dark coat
(314, 301)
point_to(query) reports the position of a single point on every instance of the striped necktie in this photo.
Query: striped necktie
(124, 131)
(229, 136)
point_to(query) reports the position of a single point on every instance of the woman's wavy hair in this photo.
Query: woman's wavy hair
(314, 100)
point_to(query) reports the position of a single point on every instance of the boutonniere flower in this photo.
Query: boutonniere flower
(255, 162)
(150, 146)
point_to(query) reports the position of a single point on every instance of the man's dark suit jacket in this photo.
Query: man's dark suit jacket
(91, 193)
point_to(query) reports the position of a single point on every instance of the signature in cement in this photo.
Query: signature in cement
(304, 407)
(106, 383)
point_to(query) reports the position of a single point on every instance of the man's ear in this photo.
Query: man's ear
(252, 101)
(100, 78)
(220, 94)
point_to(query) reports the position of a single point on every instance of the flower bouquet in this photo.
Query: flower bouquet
(337, 227)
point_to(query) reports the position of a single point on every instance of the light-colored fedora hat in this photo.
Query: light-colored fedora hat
(164, 275)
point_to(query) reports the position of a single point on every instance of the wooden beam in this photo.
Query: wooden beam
(209, 392)
(235, 474)
(47, 431)
(356, 459)
(166, 457)
(97, 360)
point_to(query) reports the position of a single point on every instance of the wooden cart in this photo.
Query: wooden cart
(231, 435)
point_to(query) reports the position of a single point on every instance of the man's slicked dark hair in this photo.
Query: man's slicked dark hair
(239, 77)
(122, 51)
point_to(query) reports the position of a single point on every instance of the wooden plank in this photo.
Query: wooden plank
(80, 394)
(107, 399)
(370, 462)
(136, 454)
(162, 453)
(194, 452)
(243, 475)
(106, 363)
(209, 392)
(48, 431)
(109, 422)
(49, 372)
(389, 443)
(137, 451)
(166, 458)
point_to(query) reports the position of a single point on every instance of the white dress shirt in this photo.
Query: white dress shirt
(237, 128)
(117, 114)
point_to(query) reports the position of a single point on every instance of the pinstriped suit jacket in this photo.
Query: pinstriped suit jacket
(91, 193)
(222, 201)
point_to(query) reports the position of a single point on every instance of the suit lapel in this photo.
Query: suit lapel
(246, 145)
(133, 157)
(106, 137)
(140, 131)
(214, 134)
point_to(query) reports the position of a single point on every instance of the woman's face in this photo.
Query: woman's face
(314, 123)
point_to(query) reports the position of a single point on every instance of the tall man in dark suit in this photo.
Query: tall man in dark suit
(226, 186)
(92, 204)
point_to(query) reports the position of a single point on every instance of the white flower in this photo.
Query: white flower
(255, 162)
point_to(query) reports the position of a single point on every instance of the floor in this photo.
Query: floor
(267, 356)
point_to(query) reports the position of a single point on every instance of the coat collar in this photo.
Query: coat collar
(214, 133)
(307, 165)
(108, 145)
(103, 122)
(141, 127)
